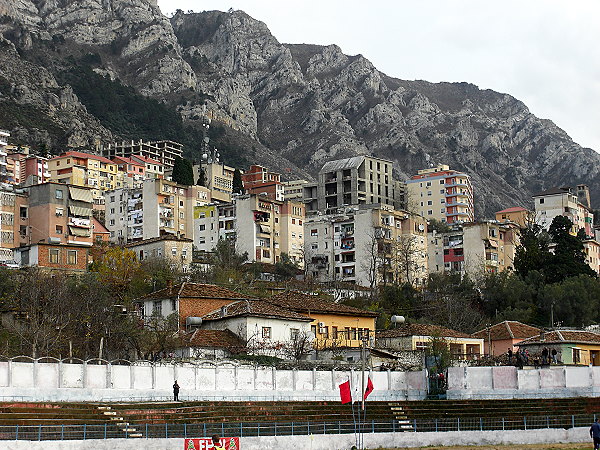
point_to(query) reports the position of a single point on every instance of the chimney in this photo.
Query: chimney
(169, 284)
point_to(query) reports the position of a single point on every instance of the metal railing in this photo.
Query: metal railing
(256, 429)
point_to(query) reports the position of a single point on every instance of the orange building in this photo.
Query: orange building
(516, 214)
(62, 257)
(505, 335)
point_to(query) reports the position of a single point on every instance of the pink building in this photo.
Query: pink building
(505, 335)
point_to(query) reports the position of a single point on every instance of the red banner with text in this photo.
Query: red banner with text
(228, 443)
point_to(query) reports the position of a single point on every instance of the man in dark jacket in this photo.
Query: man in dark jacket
(595, 434)
(176, 391)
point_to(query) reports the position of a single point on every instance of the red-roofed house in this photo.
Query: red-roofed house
(132, 172)
(152, 167)
(100, 233)
(516, 214)
(577, 347)
(505, 335)
(209, 344)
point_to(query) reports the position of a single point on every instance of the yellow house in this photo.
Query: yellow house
(88, 170)
(417, 336)
(334, 325)
(577, 347)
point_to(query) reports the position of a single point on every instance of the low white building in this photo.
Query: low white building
(178, 251)
(265, 328)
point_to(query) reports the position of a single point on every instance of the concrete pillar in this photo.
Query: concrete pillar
(314, 379)
(217, 378)
(35, 373)
(84, 374)
(131, 377)
(195, 377)
(273, 378)
(333, 386)
(108, 376)
(60, 374)
(175, 372)
(294, 378)
(235, 377)
(389, 380)
(9, 374)
(255, 375)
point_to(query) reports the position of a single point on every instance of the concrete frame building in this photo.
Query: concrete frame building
(442, 194)
(367, 245)
(219, 179)
(352, 181)
(294, 190)
(164, 151)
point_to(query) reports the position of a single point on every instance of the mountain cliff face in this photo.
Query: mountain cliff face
(293, 106)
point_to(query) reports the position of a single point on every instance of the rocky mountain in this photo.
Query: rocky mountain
(292, 107)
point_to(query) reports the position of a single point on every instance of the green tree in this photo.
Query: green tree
(533, 252)
(568, 259)
(183, 172)
(574, 301)
(116, 269)
(238, 185)
(202, 181)
(285, 268)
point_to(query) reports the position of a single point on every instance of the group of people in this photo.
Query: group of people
(521, 357)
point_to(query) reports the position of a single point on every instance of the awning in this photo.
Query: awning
(82, 195)
(265, 229)
(83, 232)
(492, 243)
(80, 211)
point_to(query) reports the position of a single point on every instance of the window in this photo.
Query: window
(23, 212)
(314, 246)
(202, 227)
(59, 229)
(174, 251)
(53, 256)
(429, 212)
(541, 201)
(441, 181)
(72, 257)
(429, 202)
(334, 332)
(58, 194)
(266, 332)
(59, 212)
(314, 232)
(294, 333)
(442, 191)
(174, 305)
(157, 308)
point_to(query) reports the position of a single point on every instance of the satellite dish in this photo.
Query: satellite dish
(421, 227)
(398, 319)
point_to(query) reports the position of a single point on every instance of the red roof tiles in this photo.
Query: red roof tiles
(212, 339)
(194, 290)
(255, 308)
(509, 329)
(296, 301)
(562, 336)
(421, 329)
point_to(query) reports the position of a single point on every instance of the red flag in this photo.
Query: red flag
(369, 388)
(345, 394)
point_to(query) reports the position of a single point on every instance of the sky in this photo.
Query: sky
(546, 53)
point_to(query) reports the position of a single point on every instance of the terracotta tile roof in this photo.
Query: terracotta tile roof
(146, 160)
(194, 290)
(553, 191)
(212, 339)
(564, 336)
(509, 329)
(512, 209)
(118, 159)
(421, 329)
(305, 303)
(255, 308)
(85, 156)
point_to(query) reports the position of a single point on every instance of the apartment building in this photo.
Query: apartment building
(152, 167)
(86, 170)
(294, 190)
(442, 194)
(25, 168)
(515, 214)
(60, 214)
(14, 220)
(473, 248)
(158, 207)
(367, 245)
(259, 180)
(177, 251)
(352, 181)
(69, 258)
(261, 227)
(131, 171)
(4, 135)
(568, 202)
(219, 179)
(164, 152)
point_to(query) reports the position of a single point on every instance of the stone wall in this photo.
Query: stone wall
(509, 382)
(332, 441)
(59, 381)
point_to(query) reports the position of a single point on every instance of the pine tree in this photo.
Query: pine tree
(202, 181)
(183, 172)
(238, 185)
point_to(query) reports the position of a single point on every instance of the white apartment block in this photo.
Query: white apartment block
(261, 227)
(441, 194)
(4, 135)
(568, 202)
(367, 245)
(158, 207)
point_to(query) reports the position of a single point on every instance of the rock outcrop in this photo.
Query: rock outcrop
(301, 104)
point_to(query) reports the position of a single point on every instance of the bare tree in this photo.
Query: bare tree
(405, 254)
(299, 345)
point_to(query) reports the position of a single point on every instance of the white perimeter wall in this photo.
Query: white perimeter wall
(508, 382)
(330, 441)
(39, 381)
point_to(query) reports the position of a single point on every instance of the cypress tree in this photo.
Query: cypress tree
(238, 185)
(183, 172)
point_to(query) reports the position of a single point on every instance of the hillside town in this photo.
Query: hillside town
(320, 255)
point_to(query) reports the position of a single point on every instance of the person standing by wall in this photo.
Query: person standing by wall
(216, 441)
(595, 434)
(176, 391)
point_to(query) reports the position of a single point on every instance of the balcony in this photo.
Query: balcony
(79, 222)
